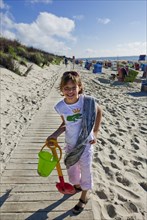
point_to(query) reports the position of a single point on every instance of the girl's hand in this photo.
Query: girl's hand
(92, 141)
(49, 140)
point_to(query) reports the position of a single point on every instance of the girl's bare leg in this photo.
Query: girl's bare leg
(82, 202)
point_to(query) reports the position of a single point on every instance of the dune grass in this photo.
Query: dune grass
(13, 54)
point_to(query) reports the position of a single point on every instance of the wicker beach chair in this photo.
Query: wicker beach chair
(142, 57)
(132, 74)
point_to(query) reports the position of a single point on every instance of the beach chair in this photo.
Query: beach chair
(144, 86)
(142, 57)
(122, 73)
(132, 74)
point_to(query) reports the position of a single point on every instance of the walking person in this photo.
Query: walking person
(65, 61)
(81, 119)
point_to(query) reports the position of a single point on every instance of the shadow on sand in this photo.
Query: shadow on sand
(137, 94)
(41, 214)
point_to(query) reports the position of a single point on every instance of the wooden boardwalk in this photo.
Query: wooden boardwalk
(26, 195)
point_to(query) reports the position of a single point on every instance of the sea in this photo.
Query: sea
(117, 58)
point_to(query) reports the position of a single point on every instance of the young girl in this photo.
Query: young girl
(71, 111)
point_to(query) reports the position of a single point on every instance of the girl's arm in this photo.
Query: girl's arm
(58, 132)
(97, 124)
(98, 120)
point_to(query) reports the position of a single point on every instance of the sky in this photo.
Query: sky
(80, 28)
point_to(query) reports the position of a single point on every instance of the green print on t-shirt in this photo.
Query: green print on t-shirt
(74, 117)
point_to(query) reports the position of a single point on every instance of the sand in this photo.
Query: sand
(119, 162)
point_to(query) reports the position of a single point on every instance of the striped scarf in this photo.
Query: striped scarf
(88, 120)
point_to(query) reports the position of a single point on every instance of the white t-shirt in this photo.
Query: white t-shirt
(72, 114)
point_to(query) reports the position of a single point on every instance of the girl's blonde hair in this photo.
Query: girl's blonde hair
(74, 77)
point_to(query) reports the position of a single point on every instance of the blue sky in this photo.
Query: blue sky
(83, 28)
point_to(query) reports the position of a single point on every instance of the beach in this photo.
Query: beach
(21, 98)
(119, 160)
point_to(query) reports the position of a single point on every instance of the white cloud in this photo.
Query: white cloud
(124, 49)
(133, 45)
(53, 25)
(6, 22)
(103, 20)
(41, 1)
(48, 32)
(78, 17)
(90, 52)
(132, 48)
(9, 34)
(3, 5)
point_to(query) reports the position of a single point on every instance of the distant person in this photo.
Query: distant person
(122, 73)
(81, 120)
(144, 75)
(66, 61)
(73, 61)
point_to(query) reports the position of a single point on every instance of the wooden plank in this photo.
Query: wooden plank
(45, 215)
(32, 206)
(21, 160)
(28, 150)
(36, 139)
(27, 179)
(31, 187)
(30, 155)
(25, 161)
(39, 196)
(30, 173)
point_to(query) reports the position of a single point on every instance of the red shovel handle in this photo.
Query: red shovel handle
(53, 149)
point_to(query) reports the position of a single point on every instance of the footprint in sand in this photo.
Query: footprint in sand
(122, 130)
(135, 173)
(95, 155)
(136, 164)
(121, 198)
(122, 192)
(103, 142)
(144, 160)
(114, 166)
(131, 207)
(113, 151)
(136, 139)
(136, 146)
(97, 160)
(111, 211)
(122, 179)
(129, 128)
(120, 134)
(127, 118)
(113, 135)
(115, 142)
(143, 130)
(112, 157)
(101, 194)
(108, 172)
(135, 143)
(125, 162)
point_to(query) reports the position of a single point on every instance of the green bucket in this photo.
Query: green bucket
(46, 164)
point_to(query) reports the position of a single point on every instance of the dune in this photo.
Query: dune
(21, 97)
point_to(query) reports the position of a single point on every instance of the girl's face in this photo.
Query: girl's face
(71, 92)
